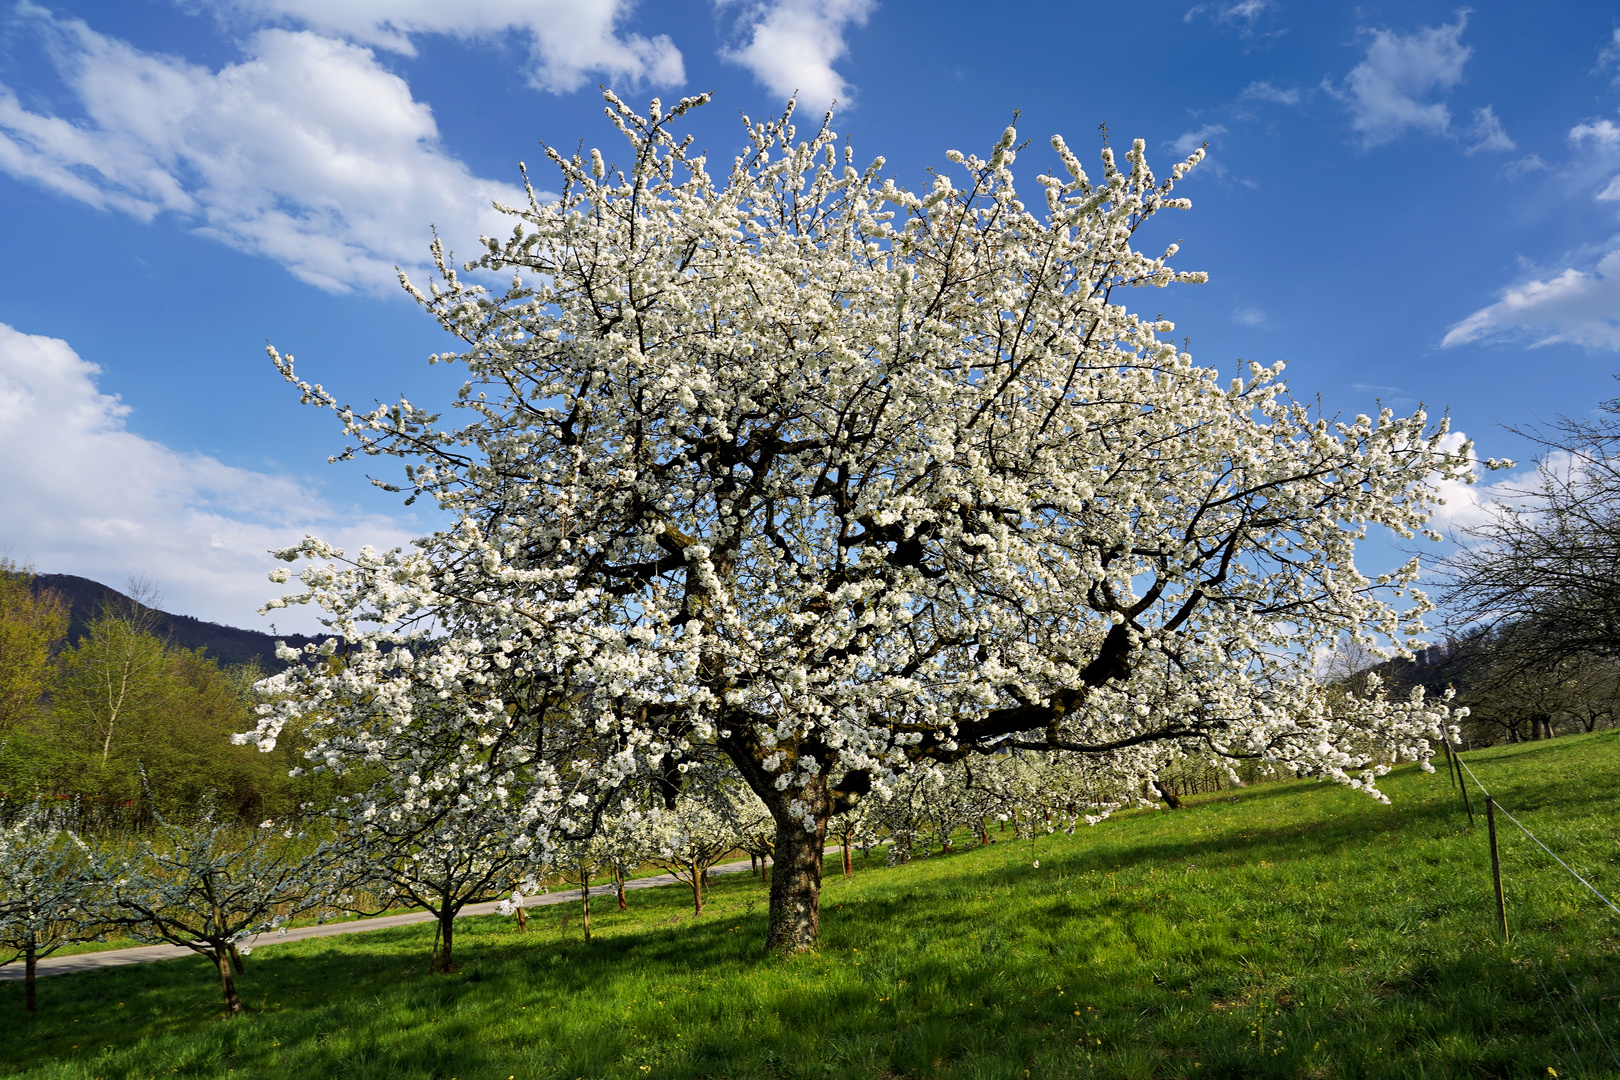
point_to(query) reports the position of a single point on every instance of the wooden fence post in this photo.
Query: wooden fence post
(1462, 780)
(1496, 867)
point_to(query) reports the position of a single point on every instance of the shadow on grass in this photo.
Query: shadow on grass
(1295, 948)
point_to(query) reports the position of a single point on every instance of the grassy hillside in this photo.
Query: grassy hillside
(1291, 930)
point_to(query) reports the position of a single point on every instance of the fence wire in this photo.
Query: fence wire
(1508, 814)
(1535, 968)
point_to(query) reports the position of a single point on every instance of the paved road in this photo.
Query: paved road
(65, 965)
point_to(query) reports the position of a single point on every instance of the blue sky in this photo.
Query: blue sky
(1413, 202)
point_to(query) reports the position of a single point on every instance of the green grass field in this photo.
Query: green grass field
(1288, 930)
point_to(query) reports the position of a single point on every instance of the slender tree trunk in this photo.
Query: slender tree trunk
(447, 924)
(585, 903)
(30, 967)
(236, 960)
(1167, 795)
(522, 920)
(796, 879)
(618, 883)
(849, 866)
(697, 890)
(984, 832)
(222, 960)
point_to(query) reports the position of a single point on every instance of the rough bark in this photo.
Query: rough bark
(222, 960)
(849, 866)
(796, 884)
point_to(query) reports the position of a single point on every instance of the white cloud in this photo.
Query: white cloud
(1524, 166)
(791, 46)
(1192, 140)
(85, 495)
(1598, 143)
(568, 38)
(1251, 317)
(1486, 133)
(1265, 91)
(307, 152)
(1388, 92)
(1468, 506)
(1244, 12)
(1610, 54)
(1600, 135)
(1574, 307)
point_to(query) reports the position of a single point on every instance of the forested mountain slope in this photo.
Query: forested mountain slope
(226, 644)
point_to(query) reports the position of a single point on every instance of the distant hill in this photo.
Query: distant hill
(227, 644)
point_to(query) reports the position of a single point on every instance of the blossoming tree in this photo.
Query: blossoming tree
(50, 895)
(788, 464)
(209, 886)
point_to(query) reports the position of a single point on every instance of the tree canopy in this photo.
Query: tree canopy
(795, 469)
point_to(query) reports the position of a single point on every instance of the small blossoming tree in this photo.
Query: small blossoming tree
(788, 464)
(209, 886)
(50, 895)
(703, 829)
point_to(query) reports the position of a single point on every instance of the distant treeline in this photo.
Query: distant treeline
(1514, 688)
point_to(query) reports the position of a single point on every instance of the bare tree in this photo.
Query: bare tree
(1548, 559)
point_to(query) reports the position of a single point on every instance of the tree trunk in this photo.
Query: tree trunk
(697, 889)
(618, 883)
(796, 883)
(447, 924)
(30, 966)
(1167, 795)
(585, 905)
(236, 960)
(222, 960)
(849, 867)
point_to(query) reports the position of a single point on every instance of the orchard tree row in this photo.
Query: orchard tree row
(211, 885)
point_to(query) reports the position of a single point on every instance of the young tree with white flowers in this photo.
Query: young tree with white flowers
(712, 822)
(210, 886)
(434, 849)
(787, 464)
(49, 893)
